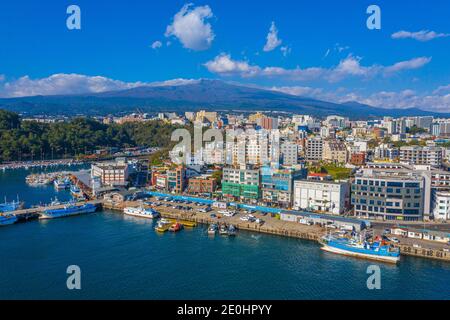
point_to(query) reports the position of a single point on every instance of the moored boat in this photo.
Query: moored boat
(69, 209)
(212, 229)
(7, 219)
(61, 184)
(376, 250)
(141, 212)
(175, 227)
(231, 230)
(76, 192)
(163, 225)
(11, 206)
(223, 230)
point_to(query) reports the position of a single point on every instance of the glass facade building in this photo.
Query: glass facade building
(388, 197)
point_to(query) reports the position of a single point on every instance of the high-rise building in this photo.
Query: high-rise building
(289, 153)
(269, 123)
(314, 149)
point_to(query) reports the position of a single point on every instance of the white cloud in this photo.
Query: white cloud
(442, 89)
(408, 65)
(189, 26)
(351, 66)
(62, 83)
(156, 45)
(172, 82)
(300, 91)
(438, 100)
(223, 64)
(423, 35)
(272, 38)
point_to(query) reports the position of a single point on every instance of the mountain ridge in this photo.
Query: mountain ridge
(192, 96)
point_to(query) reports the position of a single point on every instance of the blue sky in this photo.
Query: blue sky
(328, 52)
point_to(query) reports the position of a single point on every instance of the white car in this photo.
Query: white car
(244, 218)
(394, 240)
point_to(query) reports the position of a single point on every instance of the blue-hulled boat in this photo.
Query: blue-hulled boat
(68, 210)
(376, 250)
(7, 219)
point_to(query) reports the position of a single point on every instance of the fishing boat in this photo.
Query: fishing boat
(361, 248)
(11, 206)
(55, 202)
(189, 224)
(7, 219)
(70, 209)
(76, 192)
(141, 212)
(163, 225)
(61, 184)
(212, 229)
(231, 230)
(223, 230)
(175, 227)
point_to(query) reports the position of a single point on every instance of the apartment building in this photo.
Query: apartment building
(421, 155)
(242, 183)
(111, 173)
(176, 179)
(441, 206)
(314, 149)
(334, 151)
(277, 185)
(358, 158)
(202, 185)
(289, 153)
(268, 123)
(386, 152)
(324, 196)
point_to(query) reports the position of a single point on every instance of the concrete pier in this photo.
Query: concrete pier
(30, 213)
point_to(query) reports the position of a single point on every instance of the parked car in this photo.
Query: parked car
(394, 240)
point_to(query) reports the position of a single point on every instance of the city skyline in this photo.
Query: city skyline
(322, 50)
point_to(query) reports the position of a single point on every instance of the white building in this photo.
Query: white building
(421, 155)
(113, 173)
(325, 196)
(441, 205)
(289, 153)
